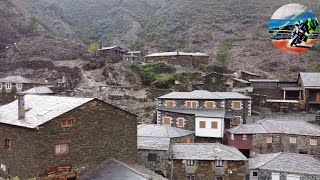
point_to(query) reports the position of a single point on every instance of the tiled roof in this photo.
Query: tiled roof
(271, 126)
(39, 109)
(153, 143)
(286, 162)
(203, 94)
(176, 54)
(206, 151)
(115, 170)
(154, 130)
(16, 79)
(38, 90)
(218, 113)
(310, 79)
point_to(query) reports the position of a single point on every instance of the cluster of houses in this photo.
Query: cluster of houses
(197, 135)
(177, 58)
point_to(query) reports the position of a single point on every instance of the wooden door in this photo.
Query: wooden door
(318, 97)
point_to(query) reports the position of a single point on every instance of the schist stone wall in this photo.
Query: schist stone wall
(206, 170)
(8, 95)
(267, 175)
(281, 143)
(100, 131)
(189, 122)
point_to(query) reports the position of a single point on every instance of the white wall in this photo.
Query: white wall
(208, 131)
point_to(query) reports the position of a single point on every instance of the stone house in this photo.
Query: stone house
(112, 53)
(217, 82)
(11, 85)
(130, 60)
(206, 113)
(178, 58)
(136, 53)
(272, 136)
(53, 132)
(240, 83)
(310, 84)
(207, 161)
(284, 166)
(246, 75)
(113, 169)
(154, 143)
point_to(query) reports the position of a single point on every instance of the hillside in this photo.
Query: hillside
(188, 25)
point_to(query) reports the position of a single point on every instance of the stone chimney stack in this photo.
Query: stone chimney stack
(177, 52)
(21, 107)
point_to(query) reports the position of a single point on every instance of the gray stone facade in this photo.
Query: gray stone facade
(267, 175)
(100, 131)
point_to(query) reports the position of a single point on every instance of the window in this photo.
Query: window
(62, 149)
(0, 86)
(8, 85)
(254, 173)
(170, 104)
(244, 137)
(67, 122)
(232, 136)
(313, 142)
(219, 178)
(3, 167)
(19, 86)
(167, 121)
(202, 124)
(152, 157)
(293, 140)
(7, 144)
(210, 105)
(236, 105)
(180, 122)
(190, 162)
(269, 140)
(237, 120)
(219, 163)
(192, 104)
(275, 176)
(214, 125)
(192, 177)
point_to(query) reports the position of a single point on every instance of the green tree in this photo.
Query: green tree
(223, 54)
(33, 23)
(94, 48)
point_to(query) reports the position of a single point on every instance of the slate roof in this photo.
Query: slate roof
(251, 73)
(286, 162)
(269, 126)
(176, 54)
(16, 79)
(241, 80)
(115, 170)
(153, 143)
(155, 130)
(205, 95)
(39, 109)
(38, 90)
(310, 80)
(218, 113)
(206, 151)
(263, 80)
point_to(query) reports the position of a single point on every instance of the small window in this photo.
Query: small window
(214, 125)
(210, 105)
(237, 120)
(232, 136)
(236, 104)
(191, 177)
(167, 121)
(313, 142)
(202, 124)
(170, 104)
(219, 178)
(19, 86)
(293, 140)
(192, 104)
(152, 157)
(269, 140)
(8, 85)
(0, 86)
(7, 144)
(180, 122)
(67, 122)
(244, 137)
(219, 163)
(3, 167)
(190, 162)
(61, 149)
(254, 173)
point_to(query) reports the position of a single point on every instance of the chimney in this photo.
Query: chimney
(177, 52)
(246, 92)
(21, 107)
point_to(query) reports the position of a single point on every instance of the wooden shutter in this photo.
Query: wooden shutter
(237, 105)
(167, 121)
(188, 140)
(210, 105)
(237, 121)
(170, 104)
(318, 97)
(214, 125)
(202, 124)
(194, 104)
(180, 122)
